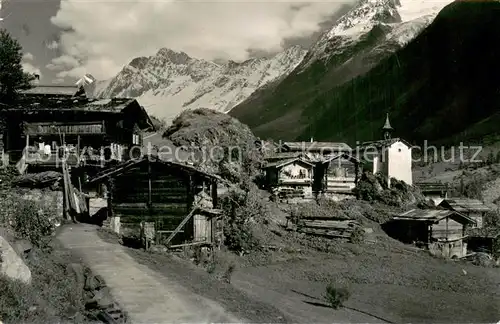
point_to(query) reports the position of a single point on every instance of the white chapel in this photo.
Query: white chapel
(390, 156)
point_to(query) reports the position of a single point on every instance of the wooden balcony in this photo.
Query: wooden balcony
(295, 180)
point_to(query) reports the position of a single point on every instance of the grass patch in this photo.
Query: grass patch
(53, 296)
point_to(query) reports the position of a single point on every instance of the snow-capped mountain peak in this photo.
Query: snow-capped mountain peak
(171, 81)
(401, 20)
(364, 14)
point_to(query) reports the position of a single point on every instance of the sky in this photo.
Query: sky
(64, 39)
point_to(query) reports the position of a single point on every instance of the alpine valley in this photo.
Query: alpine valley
(411, 58)
(428, 64)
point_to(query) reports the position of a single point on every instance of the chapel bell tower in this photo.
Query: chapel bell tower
(387, 129)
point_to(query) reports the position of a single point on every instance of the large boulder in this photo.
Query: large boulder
(11, 264)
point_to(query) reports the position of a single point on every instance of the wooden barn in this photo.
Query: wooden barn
(291, 178)
(173, 203)
(337, 175)
(472, 208)
(484, 240)
(441, 231)
(41, 128)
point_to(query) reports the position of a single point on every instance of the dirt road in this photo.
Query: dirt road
(147, 296)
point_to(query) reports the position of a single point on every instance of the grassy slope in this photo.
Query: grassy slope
(448, 76)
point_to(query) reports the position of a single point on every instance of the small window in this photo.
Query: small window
(136, 139)
(399, 150)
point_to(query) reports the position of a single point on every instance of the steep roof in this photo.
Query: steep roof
(55, 104)
(51, 90)
(465, 205)
(317, 146)
(284, 156)
(346, 156)
(432, 186)
(383, 143)
(42, 103)
(125, 166)
(484, 232)
(433, 215)
(281, 163)
(387, 125)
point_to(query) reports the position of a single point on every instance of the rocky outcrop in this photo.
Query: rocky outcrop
(96, 295)
(11, 264)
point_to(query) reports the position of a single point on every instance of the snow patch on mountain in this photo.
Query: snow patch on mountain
(170, 82)
(404, 20)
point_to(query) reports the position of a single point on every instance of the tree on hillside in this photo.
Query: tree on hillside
(12, 76)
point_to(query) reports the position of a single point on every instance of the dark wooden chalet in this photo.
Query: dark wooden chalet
(437, 229)
(290, 178)
(472, 208)
(88, 130)
(176, 201)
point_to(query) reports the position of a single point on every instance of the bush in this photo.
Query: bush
(336, 296)
(33, 222)
(357, 235)
(374, 188)
(243, 207)
(492, 220)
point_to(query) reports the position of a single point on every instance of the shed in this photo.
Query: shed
(484, 240)
(472, 208)
(176, 199)
(437, 229)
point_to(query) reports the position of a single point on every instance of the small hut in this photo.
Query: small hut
(174, 203)
(472, 208)
(441, 231)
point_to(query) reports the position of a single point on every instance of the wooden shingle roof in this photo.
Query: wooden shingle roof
(127, 165)
(465, 205)
(52, 90)
(316, 147)
(432, 186)
(433, 215)
(281, 163)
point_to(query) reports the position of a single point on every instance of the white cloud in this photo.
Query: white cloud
(27, 64)
(103, 36)
(28, 57)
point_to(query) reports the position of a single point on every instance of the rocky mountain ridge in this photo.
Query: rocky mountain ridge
(170, 82)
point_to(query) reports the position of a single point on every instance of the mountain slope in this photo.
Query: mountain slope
(445, 85)
(360, 39)
(171, 82)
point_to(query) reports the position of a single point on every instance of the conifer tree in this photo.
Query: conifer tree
(12, 76)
